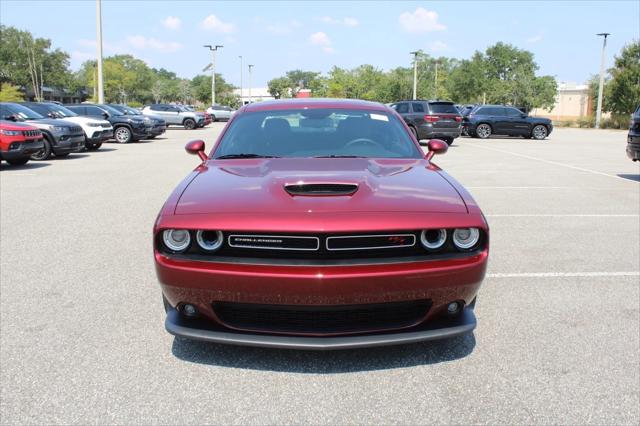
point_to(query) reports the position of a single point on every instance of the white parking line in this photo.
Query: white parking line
(563, 274)
(563, 215)
(569, 166)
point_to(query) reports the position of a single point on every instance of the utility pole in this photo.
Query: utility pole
(99, 46)
(601, 85)
(250, 98)
(415, 74)
(436, 82)
(241, 98)
(213, 70)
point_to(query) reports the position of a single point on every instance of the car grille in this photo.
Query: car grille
(76, 130)
(319, 320)
(31, 133)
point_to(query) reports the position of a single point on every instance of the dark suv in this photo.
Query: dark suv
(159, 126)
(486, 120)
(430, 119)
(633, 139)
(126, 128)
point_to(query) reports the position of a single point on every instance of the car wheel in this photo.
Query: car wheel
(414, 132)
(539, 132)
(18, 161)
(189, 124)
(167, 305)
(152, 137)
(122, 135)
(449, 141)
(213, 118)
(44, 153)
(483, 131)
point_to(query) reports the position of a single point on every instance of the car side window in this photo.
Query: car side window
(402, 108)
(156, 108)
(512, 112)
(92, 110)
(417, 107)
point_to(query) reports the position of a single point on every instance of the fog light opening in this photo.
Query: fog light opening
(188, 310)
(454, 308)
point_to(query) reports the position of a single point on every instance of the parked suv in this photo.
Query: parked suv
(18, 141)
(158, 125)
(95, 131)
(61, 137)
(430, 119)
(633, 139)
(126, 128)
(176, 115)
(220, 112)
(486, 120)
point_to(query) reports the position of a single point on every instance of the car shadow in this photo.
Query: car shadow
(73, 156)
(324, 362)
(635, 178)
(101, 149)
(31, 165)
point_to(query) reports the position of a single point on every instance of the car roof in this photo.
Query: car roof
(441, 101)
(315, 103)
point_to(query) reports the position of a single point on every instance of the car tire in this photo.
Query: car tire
(152, 137)
(213, 118)
(189, 124)
(539, 132)
(449, 141)
(18, 161)
(483, 131)
(122, 134)
(167, 305)
(414, 132)
(44, 153)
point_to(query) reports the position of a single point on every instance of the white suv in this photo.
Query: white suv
(95, 131)
(176, 115)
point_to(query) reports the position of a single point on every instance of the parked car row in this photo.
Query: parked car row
(447, 121)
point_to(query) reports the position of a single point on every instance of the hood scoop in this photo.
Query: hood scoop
(321, 189)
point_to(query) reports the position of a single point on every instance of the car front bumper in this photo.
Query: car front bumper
(68, 144)
(25, 149)
(100, 136)
(202, 284)
(158, 130)
(179, 326)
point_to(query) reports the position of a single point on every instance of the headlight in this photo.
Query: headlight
(60, 129)
(433, 239)
(10, 132)
(465, 238)
(94, 124)
(176, 239)
(209, 240)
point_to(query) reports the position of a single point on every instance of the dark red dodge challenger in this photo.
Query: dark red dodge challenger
(319, 224)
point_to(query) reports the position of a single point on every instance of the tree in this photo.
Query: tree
(10, 93)
(201, 89)
(623, 92)
(280, 87)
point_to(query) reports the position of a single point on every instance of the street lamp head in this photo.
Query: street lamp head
(414, 53)
(208, 45)
(219, 46)
(604, 34)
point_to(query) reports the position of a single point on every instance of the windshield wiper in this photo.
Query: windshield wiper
(232, 156)
(339, 156)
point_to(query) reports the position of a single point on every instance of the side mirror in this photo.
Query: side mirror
(524, 115)
(196, 147)
(436, 146)
(105, 115)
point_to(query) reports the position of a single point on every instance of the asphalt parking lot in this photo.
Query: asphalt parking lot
(558, 337)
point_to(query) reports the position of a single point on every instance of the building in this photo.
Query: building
(572, 102)
(258, 94)
(55, 94)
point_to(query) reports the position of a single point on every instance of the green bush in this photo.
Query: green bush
(586, 122)
(135, 104)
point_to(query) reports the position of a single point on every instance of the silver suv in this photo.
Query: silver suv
(176, 115)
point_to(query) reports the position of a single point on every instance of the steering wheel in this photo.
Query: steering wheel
(364, 141)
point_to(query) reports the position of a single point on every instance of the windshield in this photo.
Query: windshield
(111, 110)
(58, 110)
(24, 113)
(126, 110)
(317, 133)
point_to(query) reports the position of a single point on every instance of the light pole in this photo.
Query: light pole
(241, 98)
(436, 81)
(250, 98)
(415, 74)
(601, 85)
(213, 70)
(99, 46)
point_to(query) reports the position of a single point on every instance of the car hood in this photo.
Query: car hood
(86, 120)
(46, 122)
(258, 186)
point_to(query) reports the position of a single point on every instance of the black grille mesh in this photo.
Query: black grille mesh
(341, 319)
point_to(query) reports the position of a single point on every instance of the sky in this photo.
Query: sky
(279, 36)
